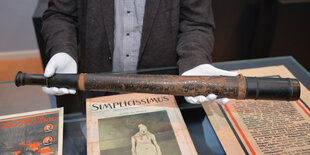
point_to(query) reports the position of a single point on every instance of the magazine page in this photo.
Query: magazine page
(38, 132)
(263, 126)
(137, 124)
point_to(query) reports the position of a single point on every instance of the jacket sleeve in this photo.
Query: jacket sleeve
(59, 28)
(196, 36)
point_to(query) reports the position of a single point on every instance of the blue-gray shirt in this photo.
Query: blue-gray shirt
(127, 34)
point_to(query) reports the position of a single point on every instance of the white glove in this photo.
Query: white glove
(60, 63)
(207, 70)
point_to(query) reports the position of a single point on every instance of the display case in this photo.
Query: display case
(17, 100)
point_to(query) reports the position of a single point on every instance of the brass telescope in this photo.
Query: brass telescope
(237, 87)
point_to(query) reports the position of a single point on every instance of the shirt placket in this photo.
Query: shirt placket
(128, 34)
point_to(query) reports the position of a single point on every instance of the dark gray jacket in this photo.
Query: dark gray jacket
(175, 32)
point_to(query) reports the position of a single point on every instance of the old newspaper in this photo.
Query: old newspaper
(137, 124)
(38, 132)
(263, 126)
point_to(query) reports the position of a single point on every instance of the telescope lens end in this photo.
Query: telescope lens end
(295, 89)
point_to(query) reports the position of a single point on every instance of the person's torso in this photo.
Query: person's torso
(127, 34)
(158, 38)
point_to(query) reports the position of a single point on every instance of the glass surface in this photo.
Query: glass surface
(31, 98)
(270, 62)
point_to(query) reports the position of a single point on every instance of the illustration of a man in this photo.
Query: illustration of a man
(48, 140)
(144, 142)
(48, 128)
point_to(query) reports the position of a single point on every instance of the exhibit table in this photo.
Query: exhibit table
(16, 100)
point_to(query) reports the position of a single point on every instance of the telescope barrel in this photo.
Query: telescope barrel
(237, 87)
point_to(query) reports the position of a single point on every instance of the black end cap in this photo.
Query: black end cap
(295, 90)
(19, 79)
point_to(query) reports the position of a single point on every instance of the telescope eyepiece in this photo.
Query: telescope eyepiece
(19, 80)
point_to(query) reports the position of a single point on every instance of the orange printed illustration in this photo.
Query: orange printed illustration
(48, 140)
(48, 128)
(31, 133)
(34, 148)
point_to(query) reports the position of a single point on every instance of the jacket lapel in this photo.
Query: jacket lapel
(151, 7)
(108, 18)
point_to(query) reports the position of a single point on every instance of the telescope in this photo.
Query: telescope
(236, 87)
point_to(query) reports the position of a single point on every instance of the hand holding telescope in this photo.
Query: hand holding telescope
(238, 87)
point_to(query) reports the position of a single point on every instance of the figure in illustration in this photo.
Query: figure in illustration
(48, 140)
(144, 142)
(48, 128)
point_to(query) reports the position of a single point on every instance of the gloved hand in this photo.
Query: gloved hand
(207, 70)
(60, 63)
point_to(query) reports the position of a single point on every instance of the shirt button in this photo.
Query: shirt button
(128, 12)
(110, 58)
(127, 34)
(127, 55)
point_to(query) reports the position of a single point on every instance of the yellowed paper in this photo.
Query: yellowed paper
(136, 124)
(263, 126)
